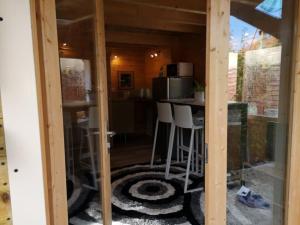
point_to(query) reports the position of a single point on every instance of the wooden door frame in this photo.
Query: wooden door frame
(217, 48)
(102, 97)
(43, 13)
(48, 82)
(292, 196)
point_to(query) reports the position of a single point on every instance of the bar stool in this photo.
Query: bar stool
(69, 144)
(91, 130)
(183, 119)
(164, 112)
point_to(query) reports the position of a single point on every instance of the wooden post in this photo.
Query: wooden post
(217, 49)
(292, 206)
(50, 108)
(103, 111)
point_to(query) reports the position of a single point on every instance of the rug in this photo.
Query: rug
(141, 195)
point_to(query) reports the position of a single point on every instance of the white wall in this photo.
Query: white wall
(20, 112)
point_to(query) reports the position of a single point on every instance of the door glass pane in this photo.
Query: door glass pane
(5, 208)
(259, 101)
(76, 36)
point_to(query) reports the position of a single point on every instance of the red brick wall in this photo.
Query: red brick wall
(262, 79)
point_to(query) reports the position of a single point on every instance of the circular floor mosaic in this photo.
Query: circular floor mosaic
(141, 195)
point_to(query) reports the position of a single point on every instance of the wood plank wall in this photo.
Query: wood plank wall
(153, 65)
(127, 59)
(131, 44)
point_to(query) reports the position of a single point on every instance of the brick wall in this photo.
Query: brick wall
(261, 80)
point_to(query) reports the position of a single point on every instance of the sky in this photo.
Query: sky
(240, 30)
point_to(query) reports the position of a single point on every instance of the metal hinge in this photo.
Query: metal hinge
(206, 153)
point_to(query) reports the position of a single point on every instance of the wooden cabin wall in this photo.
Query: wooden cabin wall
(172, 48)
(79, 39)
(191, 48)
(127, 59)
(154, 65)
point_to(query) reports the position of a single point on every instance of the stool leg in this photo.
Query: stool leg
(192, 159)
(67, 146)
(197, 151)
(202, 152)
(81, 143)
(72, 157)
(191, 148)
(170, 148)
(178, 143)
(181, 140)
(92, 157)
(154, 143)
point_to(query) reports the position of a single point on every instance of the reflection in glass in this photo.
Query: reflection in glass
(76, 36)
(259, 72)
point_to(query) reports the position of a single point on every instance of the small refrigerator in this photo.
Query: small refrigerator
(172, 87)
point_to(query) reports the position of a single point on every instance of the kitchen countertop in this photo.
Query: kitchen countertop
(73, 104)
(192, 101)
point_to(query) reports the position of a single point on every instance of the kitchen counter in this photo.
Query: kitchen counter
(78, 104)
(237, 116)
(193, 102)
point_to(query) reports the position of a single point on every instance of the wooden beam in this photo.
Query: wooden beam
(138, 11)
(143, 17)
(50, 104)
(258, 19)
(191, 6)
(292, 206)
(252, 3)
(102, 98)
(138, 38)
(73, 9)
(151, 24)
(217, 48)
(40, 83)
(133, 14)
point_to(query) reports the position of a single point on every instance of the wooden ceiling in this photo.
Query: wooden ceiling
(186, 16)
(162, 15)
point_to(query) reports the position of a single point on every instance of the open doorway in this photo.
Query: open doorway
(155, 51)
(142, 41)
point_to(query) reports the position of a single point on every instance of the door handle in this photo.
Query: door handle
(111, 133)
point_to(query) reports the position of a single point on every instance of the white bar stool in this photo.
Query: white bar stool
(164, 112)
(91, 128)
(69, 144)
(185, 120)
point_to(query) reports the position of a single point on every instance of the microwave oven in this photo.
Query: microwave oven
(181, 69)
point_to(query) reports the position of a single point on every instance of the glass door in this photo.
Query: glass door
(259, 84)
(83, 86)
